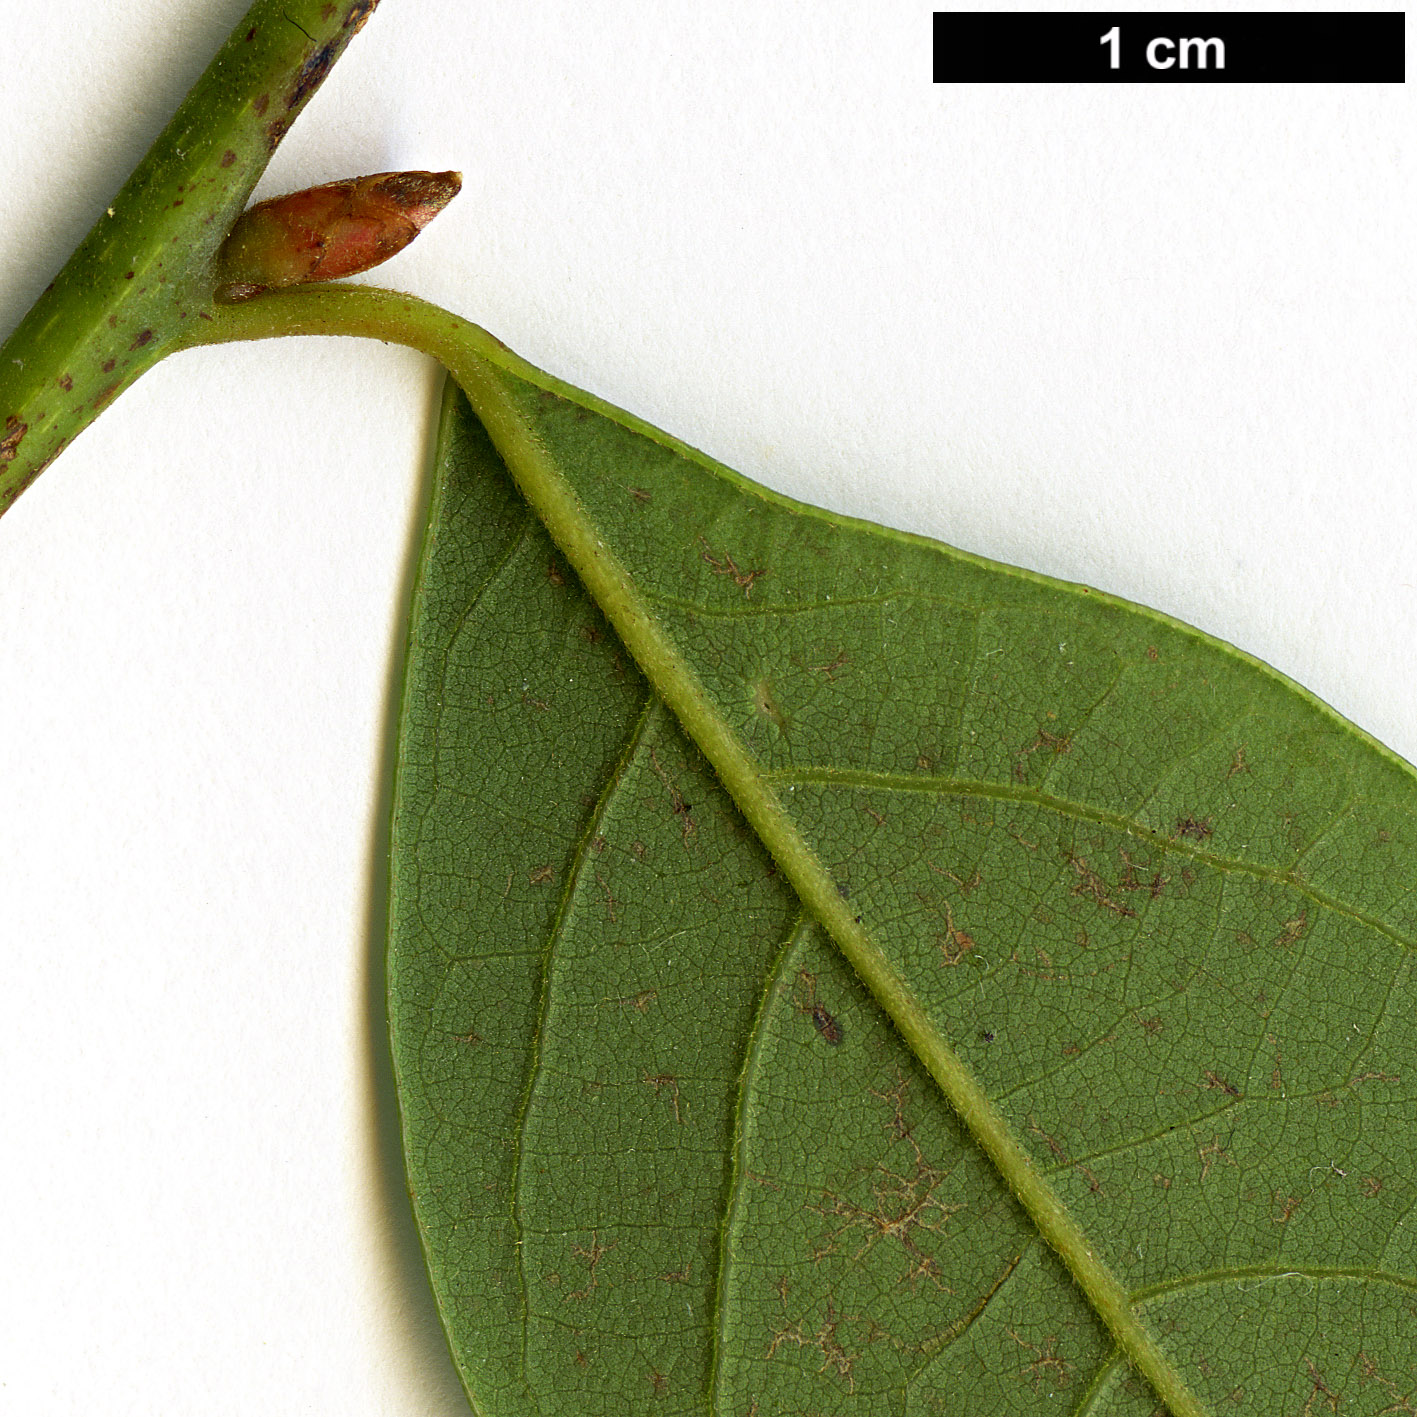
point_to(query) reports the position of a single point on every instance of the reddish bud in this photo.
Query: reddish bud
(327, 232)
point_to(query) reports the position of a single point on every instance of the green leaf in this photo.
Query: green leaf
(1315, 1393)
(669, 1154)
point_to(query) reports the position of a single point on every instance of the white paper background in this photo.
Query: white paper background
(1155, 339)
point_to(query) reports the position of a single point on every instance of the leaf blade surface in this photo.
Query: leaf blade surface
(1121, 867)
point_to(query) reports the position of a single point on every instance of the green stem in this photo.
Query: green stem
(143, 275)
(480, 365)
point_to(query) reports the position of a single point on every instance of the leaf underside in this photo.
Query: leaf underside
(666, 1154)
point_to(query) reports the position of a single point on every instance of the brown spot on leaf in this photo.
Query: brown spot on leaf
(1399, 1401)
(954, 943)
(1050, 1142)
(677, 804)
(1216, 1083)
(825, 1341)
(639, 1002)
(1093, 1184)
(1371, 1186)
(1131, 880)
(227, 158)
(1208, 1155)
(1375, 1077)
(593, 1257)
(140, 339)
(1047, 1365)
(964, 887)
(66, 383)
(804, 991)
(610, 901)
(1276, 1077)
(1193, 828)
(762, 1180)
(1094, 888)
(540, 875)
(725, 566)
(661, 1081)
(1322, 1395)
(804, 1001)
(827, 1025)
(1293, 929)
